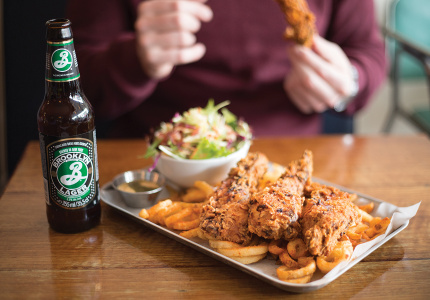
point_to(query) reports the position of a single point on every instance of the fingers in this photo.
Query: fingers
(176, 56)
(165, 32)
(299, 98)
(169, 39)
(160, 71)
(331, 52)
(308, 90)
(338, 72)
(167, 15)
(318, 81)
(159, 62)
(168, 22)
(160, 7)
(307, 94)
(325, 69)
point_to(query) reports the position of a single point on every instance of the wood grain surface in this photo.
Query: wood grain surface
(123, 259)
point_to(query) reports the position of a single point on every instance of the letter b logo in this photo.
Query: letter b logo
(61, 60)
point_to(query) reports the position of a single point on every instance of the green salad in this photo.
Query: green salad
(201, 133)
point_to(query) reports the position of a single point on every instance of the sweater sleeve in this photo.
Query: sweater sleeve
(105, 43)
(354, 28)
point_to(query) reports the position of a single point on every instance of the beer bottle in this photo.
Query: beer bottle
(67, 138)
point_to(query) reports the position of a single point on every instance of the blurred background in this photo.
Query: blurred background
(22, 74)
(22, 51)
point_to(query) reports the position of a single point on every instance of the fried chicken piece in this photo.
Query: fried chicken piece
(301, 21)
(225, 216)
(327, 215)
(317, 189)
(275, 211)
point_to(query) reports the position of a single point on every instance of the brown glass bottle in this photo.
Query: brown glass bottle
(67, 138)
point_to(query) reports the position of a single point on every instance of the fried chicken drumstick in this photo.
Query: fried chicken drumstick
(225, 216)
(301, 21)
(275, 211)
(327, 215)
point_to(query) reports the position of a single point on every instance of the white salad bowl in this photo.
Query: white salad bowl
(184, 172)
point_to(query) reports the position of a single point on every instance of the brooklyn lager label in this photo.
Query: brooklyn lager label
(70, 171)
(61, 62)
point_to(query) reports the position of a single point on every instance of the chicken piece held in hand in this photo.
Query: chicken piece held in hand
(301, 21)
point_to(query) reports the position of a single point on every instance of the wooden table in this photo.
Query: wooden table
(123, 259)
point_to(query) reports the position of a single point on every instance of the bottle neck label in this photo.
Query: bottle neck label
(70, 170)
(61, 62)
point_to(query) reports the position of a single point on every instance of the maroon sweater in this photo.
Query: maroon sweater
(246, 63)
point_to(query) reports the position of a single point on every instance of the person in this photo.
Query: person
(143, 61)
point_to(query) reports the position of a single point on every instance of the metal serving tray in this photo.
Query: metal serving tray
(264, 269)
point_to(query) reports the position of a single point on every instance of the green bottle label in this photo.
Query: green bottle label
(61, 62)
(70, 170)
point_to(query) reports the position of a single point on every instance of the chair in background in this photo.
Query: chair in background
(408, 39)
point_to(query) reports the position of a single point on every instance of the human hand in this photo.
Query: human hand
(165, 33)
(320, 77)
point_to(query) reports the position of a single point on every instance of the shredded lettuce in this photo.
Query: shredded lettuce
(229, 118)
(206, 149)
(201, 133)
(152, 149)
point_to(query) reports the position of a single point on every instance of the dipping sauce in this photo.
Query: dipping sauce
(138, 186)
